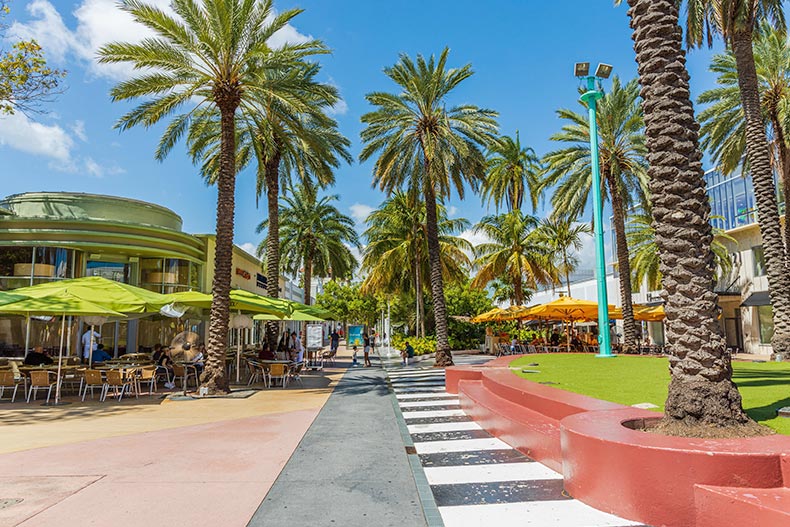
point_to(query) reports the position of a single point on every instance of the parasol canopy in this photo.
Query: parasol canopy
(108, 294)
(239, 301)
(565, 308)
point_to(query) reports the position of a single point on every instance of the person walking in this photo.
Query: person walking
(366, 351)
(334, 341)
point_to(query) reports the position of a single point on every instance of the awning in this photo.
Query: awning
(759, 298)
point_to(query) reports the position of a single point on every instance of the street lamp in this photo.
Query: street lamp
(590, 98)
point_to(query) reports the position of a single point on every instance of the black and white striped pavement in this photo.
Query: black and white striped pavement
(477, 479)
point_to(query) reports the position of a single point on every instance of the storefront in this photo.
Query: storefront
(47, 236)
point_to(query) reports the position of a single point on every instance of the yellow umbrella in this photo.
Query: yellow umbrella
(501, 315)
(641, 312)
(565, 308)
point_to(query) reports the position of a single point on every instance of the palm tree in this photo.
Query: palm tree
(738, 21)
(512, 171)
(397, 232)
(314, 237)
(214, 53)
(623, 169)
(701, 391)
(516, 250)
(645, 261)
(723, 131)
(562, 235)
(285, 136)
(419, 138)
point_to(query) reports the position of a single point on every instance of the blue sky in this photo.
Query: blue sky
(522, 52)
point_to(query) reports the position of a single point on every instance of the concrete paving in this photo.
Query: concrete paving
(351, 467)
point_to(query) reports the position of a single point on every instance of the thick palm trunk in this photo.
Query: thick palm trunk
(630, 332)
(764, 190)
(308, 273)
(272, 175)
(214, 377)
(443, 356)
(701, 390)
(518, 291)
(784, 167)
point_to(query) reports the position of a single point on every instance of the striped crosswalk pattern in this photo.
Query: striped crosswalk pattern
(477, 479)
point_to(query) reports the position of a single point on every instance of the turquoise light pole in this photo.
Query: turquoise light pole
(590, 98)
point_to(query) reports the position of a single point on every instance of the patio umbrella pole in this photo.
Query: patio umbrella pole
(90, 351)
(58, 402)
(27, 332)
(238, 355)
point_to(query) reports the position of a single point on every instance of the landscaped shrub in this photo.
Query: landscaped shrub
(421, 345)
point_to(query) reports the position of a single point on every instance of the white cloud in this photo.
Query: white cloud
(250, 248)
(79, 130)
(360, 212)
(99, 22)
(17, 131)
(339, 108)
(452, 211)
(475, 238)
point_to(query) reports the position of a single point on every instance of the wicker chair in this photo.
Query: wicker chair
(41, 380)
(93, 379)
(8, 381)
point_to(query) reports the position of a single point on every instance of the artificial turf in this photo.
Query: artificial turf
(765, 387)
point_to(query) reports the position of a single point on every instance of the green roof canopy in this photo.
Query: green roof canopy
(58, 303)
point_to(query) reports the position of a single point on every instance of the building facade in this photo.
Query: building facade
(47, 236)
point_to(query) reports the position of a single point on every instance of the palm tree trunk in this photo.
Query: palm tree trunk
(272, 174)
(213, 376)
(518, 290)
(630, 332)
(308, 272)
(784, 166)
(701, 390)
(567, 273)
(764, 190)
(443, 356)
(419, 325)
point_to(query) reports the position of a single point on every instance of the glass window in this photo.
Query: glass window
(54, 262)
(169, 275)
(765, 318)
(120, 272)
(15, 266)
(758, 261)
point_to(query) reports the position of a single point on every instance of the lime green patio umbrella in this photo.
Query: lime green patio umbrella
(58, 303)
(109, 294)
(302, 316)
(240, 300)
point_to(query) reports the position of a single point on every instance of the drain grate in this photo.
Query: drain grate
(9, 502)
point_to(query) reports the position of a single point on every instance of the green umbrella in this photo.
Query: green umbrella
(58, 303)
(239, 301)
(296, 316)
(109, 294)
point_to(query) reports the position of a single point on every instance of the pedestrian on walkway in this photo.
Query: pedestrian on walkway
(334, 341)
(366, 351)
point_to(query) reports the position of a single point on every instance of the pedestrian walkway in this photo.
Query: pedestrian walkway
(477, 479)
(351, 467)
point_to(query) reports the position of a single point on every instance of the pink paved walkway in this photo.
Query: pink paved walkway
(210, 474)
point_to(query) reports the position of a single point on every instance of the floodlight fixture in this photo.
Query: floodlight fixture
(603, 71)
(581, 69)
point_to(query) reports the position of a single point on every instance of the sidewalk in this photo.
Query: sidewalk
(351, 467)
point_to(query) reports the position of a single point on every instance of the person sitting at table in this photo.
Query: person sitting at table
(164, 364)
(284, 345)
(555, 338)
(198, 359)
(100, 355)
(266, 352)
(576, 342)
(38, 357)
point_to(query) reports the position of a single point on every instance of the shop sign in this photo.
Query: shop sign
(242, 273)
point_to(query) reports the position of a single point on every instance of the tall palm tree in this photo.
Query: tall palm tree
(285, 137)
(645, 261)
(701, 391)
(314, 237)
(512, 172)
(213, 52)
(563, 235)
(516, 250)
(419, 138)
(738, 21)
(397, 232)
(623, 169)
(723, 131)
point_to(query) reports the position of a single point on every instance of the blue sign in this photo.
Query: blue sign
(355, 336)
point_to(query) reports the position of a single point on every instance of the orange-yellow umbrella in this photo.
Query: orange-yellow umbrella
(565, 308)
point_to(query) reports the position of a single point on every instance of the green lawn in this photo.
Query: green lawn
(765, 387)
